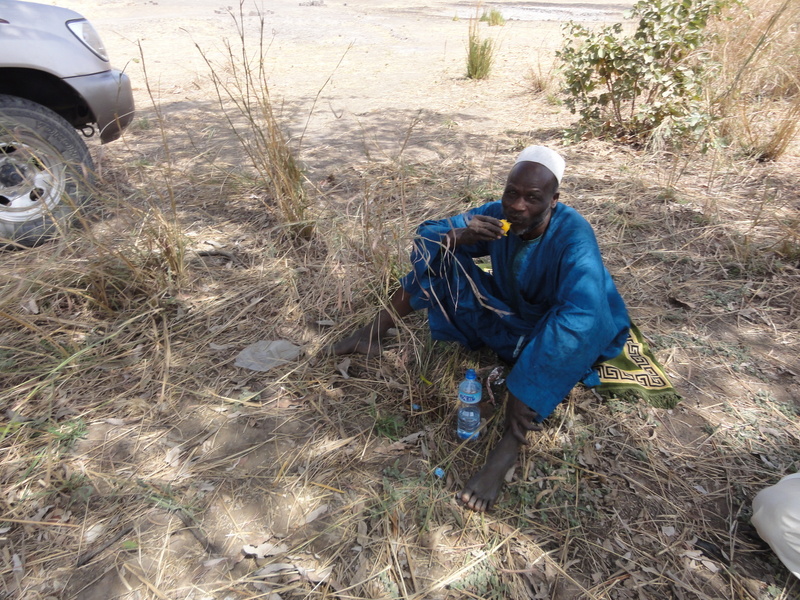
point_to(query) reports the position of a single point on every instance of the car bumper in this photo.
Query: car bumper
(109, 97)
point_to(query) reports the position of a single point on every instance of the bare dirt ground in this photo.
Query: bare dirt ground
(161, 470)
(378, 68)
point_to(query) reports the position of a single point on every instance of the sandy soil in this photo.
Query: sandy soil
(355, 75)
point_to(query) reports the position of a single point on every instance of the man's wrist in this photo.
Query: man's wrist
(452, 238)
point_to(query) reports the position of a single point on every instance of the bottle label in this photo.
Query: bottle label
(469, 398)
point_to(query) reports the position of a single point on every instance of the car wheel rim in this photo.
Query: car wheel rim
(32, 180)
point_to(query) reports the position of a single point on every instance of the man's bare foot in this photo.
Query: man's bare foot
(363, 341)
(483, 488)
(367, 340)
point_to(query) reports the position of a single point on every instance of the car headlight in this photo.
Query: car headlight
(84, 31)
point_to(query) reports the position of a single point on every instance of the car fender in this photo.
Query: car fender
(35, 36)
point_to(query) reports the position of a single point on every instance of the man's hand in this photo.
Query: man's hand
(520, 419)
(480, 228)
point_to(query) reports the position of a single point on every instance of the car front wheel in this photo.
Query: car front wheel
(45, 173)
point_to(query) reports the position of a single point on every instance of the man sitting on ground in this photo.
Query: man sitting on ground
(549, 307)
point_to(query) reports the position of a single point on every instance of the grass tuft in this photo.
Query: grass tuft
(493, 17)
(480, 52)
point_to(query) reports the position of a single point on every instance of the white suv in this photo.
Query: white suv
(55, 77)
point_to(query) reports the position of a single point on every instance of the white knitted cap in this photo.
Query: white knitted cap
(544, 156)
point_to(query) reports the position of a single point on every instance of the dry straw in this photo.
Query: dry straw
(758, 84)
(242, 89)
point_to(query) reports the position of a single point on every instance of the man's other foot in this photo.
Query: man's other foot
(361, 342)
(483, 488)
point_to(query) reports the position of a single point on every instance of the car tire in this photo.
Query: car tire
(46, 173)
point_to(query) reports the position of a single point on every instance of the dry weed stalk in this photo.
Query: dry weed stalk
(543, 80)
(242, 90)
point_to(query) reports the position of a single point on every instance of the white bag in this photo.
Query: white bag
(776, 516)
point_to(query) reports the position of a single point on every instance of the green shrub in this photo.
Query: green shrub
(493, 17)
(644, 87)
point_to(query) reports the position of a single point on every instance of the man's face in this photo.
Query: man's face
(528, 199)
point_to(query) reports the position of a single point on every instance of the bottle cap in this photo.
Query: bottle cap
(439, 472)
(471, 374)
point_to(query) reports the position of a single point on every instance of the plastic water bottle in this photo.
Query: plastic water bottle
(469, 413)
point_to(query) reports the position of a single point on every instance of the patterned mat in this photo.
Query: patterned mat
(635, 373)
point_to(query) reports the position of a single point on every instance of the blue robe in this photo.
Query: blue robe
(549, 307)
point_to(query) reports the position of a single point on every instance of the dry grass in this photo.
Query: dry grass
(242, 88)
(758, 85)
(543, 79)
(137, 462)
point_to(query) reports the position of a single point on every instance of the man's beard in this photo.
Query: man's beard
(543, 218)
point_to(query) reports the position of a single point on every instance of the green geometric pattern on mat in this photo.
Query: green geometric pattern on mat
(635, 373)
